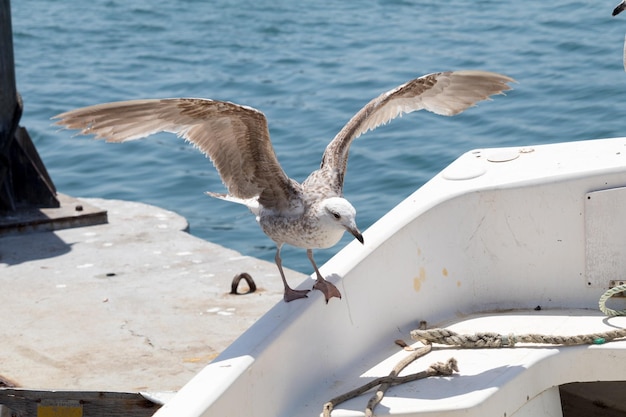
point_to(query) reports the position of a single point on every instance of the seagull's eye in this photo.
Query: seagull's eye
(337, 216)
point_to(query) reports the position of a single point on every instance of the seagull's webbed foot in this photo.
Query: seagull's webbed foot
(291, 294)
(327, 288)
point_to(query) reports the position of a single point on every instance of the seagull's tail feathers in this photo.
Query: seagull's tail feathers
(251, 203)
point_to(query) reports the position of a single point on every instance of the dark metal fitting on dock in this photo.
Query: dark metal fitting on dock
(249, 281)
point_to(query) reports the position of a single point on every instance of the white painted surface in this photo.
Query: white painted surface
(605, 236)
(480, 237)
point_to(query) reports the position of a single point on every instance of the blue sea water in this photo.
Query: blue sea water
(309, 66)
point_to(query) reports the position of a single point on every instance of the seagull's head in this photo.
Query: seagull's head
(339, 213)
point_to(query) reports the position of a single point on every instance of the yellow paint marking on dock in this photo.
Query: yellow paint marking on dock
(59, 408)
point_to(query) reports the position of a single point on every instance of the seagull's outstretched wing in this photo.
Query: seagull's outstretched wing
(445, 93)
(235, 138)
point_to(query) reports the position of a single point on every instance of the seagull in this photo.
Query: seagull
(312, 214)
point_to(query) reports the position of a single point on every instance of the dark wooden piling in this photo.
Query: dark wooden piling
(24, 180)
(28, 198)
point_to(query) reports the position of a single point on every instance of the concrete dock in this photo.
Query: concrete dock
(134, 305)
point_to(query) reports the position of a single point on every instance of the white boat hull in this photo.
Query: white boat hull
(496, 235)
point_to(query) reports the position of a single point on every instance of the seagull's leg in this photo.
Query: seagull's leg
(327, 288)
(290, 294)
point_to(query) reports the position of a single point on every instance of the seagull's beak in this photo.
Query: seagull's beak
(620, 8)
(355, 232)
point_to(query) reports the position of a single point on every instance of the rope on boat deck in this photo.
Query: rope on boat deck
(436, 369)
(496, 340)
(608, 294)
(476, 340)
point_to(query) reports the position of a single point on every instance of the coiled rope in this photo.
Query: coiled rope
(608, 294)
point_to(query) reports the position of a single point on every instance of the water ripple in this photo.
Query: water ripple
(309, 66)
